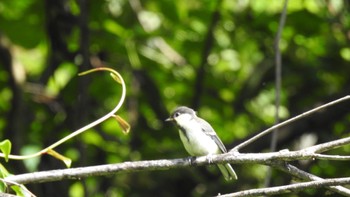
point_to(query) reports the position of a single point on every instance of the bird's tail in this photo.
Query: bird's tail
(227, 171)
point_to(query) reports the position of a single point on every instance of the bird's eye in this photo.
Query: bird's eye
(176, 114)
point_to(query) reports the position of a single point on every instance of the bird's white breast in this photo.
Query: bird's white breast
(196, 142)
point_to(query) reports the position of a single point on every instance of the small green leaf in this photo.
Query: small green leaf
(3, 173)
(65, 160)
(123, 124)
(18, 190)
(3, 186)
(5, 147)
(116, 77)
(21, 190)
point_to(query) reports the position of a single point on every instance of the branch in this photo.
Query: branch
(290, 188)
(319, 148)
(303, 115)
(274, 159)
(207, 47)
(99, 170)
(296, 172)
(278, 82)
(332, 157)
(108, 169)
(278, 72)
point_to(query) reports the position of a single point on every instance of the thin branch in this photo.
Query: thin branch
(207, 47)
(102, 170)
(303, 115)
(332, 157)
(278, 84)
(275, 159)
(278, 71)
(300, 174)
(290, 188)
(319, 148)
(99, 170)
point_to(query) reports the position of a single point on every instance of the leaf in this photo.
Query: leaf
(65, 160)
(3, 173)
(5, 147)
(17, 189)
(123, 124)
(116, 77)
(21, 190)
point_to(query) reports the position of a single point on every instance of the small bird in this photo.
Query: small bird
(199, 138)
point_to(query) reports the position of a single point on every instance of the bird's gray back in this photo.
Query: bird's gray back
(208, 129)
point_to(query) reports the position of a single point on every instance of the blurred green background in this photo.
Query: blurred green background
(214, 56)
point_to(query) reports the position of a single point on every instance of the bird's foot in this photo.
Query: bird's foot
(210, 158)
(192, 160)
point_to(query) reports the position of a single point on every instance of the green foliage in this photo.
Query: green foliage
(3, 173)
(5, 147)
(160, 48)
(20, 190)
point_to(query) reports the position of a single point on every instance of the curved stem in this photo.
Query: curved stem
(116, 76)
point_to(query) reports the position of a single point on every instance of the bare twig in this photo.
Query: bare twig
(332, 157)
(278, 84)
(319, 148)
(300, 174)
(303, 115)
(100, 170)
(274, 159)
(278, 71)
(207, 47)
(236, 158)
(290, 188)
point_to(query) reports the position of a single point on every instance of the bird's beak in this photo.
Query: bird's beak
(170, 119)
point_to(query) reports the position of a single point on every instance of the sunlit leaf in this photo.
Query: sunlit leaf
(3, 186)
(123, 124)
(21, 190)
(3, 173)
(116, 78)
(5, 147)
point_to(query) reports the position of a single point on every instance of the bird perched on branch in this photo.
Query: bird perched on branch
(199, 138)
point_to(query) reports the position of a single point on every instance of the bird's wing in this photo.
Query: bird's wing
(207, 129)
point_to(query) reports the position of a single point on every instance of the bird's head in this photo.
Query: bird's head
(181, 115)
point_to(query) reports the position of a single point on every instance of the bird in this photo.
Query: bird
(199, 138)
